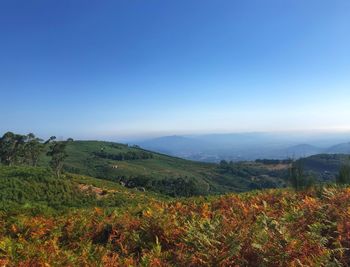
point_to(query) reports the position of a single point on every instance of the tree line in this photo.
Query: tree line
(274, 161)
(130, 155)
(17, 149)
(299, 179)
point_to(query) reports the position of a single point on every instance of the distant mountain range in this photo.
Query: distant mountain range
(248, 146)
(339, 149)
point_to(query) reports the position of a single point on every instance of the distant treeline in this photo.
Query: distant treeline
(260, 177)
(274, 161)
(234, 169)
(130, 155)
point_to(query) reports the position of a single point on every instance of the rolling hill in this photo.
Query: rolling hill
(325, 166)
(343, 148)
(266, 228)
(175, 145)
(136, 167)
(78, 220)
(248, 146)
(302, 150)
(35, 189)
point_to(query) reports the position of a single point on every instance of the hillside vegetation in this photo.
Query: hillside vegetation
(136, 167)
(325, 166)
(36, 189)
(268, 228)
(54, 218)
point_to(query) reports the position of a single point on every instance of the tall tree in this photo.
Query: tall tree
(57, 152)
(11, 148)
(298, 178)
(33, 149)
(296, 174)
(344, 175)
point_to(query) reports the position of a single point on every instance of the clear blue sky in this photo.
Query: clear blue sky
(102, 69)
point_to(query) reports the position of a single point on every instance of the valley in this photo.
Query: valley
(165, 174)
(119, 205)
(248, 146)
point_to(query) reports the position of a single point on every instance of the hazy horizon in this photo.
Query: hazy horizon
(139, 137)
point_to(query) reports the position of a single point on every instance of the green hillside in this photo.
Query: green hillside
(77, 220)
(136, 167)
(261, 228)
(325, 167)
(37, 189)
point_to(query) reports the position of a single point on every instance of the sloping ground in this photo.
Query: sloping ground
(325, 166)
(159, 173)
(269, 228)
(343, 148)
(36, 190)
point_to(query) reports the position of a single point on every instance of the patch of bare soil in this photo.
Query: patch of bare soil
(99, 192)
(277, 167)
